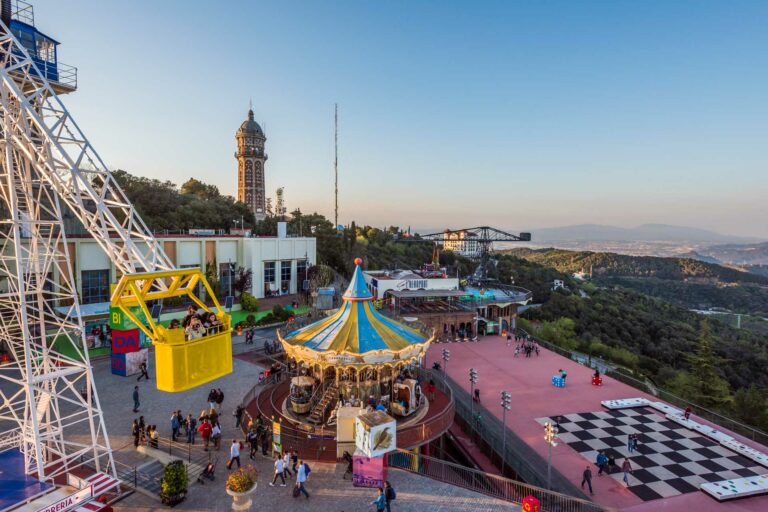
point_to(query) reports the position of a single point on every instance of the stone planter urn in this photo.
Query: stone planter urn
(241, 501)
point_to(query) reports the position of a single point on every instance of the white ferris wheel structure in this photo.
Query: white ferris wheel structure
(49, 407)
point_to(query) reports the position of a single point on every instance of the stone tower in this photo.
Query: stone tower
(250, 166)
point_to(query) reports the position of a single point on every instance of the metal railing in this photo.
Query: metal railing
(23, 11)
(485, 483)
(615, 372)
(10, 439)
(488, 432)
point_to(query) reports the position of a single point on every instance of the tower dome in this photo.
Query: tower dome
(250, 126)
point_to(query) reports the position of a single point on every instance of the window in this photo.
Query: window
(269, 277)
(301, 272)
(95, 286)
(46, 50)
(227, 279)
(285, 276)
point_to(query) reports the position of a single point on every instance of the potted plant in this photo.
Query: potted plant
(173, 488)
(240, 485)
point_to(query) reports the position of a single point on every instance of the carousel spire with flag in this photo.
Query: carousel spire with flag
(356, 334)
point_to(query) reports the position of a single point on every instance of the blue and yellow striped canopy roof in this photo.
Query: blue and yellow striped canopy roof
(356, 327)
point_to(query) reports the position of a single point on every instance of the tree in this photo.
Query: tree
(750, 405)
(710, 390)
(212, 276)
(199, 189)
(243, 280)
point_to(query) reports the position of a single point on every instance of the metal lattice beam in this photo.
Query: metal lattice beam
(49, 407)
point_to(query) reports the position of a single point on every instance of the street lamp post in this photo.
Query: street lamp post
(446, 357)
(472, 382)
(506, 400)
(550, 436)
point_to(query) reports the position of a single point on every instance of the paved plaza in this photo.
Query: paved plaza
(534, 397)
(328, 490)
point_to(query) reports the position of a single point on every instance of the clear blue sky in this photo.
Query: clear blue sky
(515, 114)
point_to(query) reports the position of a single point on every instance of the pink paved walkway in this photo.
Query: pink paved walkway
(533, 396)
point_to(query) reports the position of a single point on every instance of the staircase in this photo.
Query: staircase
(317, 413)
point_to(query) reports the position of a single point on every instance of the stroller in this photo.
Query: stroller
(208, 473)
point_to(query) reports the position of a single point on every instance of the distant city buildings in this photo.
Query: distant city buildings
(250, 166)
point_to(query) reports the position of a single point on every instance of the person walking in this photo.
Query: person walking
(635, 442)
(205, 430)
(301, 477)
(219, 398)
(287, 464)
(136, 403)
(294, 460)
(253, 443)
(586, 477)
(216, 435)
(348, 459)
(278, 471)
(174, 426)
(389, 494)
(143, 369)
(234, 454)
(602, 461)
(239, 415)
(380, 502)
(627, 469)
(630, 443)
(687, 413)
(212, 399)
(265, 443)
(136, 433)
(191, 429)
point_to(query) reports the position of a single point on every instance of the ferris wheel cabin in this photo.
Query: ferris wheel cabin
(19, 16)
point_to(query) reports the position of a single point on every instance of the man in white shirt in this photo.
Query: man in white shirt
(287, 464)
(301, 477)
(278, 471)
(234, 454)
(216, 436)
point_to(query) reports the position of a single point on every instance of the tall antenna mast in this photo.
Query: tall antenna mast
(336, 166)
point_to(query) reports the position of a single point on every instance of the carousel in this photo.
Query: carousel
(355, 357)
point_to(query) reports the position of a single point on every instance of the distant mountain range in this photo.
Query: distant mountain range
(644, 233)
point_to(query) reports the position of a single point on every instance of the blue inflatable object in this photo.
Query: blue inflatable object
(558, 381)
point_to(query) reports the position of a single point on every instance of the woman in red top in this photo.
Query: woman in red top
(205, 430)
(431, 390)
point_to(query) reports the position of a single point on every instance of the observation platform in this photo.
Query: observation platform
(671, 458)
(15, 486)
(42, 49)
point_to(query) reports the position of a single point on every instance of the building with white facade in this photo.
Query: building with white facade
(461, 242)
(279, 265)
(382, 281)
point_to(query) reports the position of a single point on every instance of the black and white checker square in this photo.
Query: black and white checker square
(670, 458)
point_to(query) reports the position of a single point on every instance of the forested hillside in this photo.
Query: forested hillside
(653, 338)
(620, 265)
(746, 299)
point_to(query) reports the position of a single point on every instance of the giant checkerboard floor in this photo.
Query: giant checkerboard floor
(670, 459)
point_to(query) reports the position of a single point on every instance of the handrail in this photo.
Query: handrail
(489, 432)
(10, 438)
(753, 433)
(485, 483)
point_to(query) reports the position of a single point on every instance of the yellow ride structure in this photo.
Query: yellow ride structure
(180, 363)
